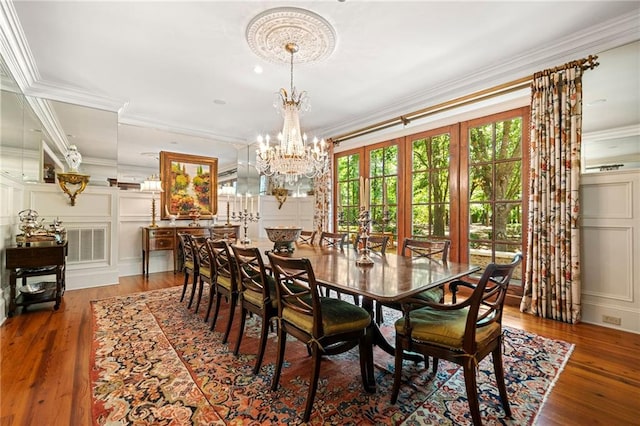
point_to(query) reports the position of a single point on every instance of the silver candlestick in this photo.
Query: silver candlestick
(245, 217)
(364, 220)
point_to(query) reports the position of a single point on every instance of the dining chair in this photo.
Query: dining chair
(333, 239)
(205, 269)
(307, 237)
(376, 243)
(189, 264)
(463, 333)
(436, 251)
(223, 233)
(257, 295)
(328, 326)
(225, 283)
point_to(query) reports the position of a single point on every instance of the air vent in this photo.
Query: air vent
(86, 245)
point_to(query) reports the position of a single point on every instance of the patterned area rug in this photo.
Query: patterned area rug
(155, 362)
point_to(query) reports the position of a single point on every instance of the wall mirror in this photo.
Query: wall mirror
(611, 111)
(29, 152)
(22, 137)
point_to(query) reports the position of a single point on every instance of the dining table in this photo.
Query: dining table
(390, 278)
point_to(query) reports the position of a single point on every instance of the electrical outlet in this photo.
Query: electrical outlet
(611, 320)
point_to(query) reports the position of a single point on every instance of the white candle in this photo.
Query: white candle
(251, 204)
(367, 188)
(361, 191)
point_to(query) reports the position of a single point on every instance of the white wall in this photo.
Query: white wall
(610, 204)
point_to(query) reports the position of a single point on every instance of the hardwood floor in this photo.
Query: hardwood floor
(45, 364)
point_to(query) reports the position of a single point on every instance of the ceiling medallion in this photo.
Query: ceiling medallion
(274, 28)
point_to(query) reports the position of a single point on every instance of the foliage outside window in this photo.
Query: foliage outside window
(430, 203)
(495, 191)
(383, 179)
(348, 193)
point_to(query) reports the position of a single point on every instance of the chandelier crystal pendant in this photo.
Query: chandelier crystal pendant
(291, 157)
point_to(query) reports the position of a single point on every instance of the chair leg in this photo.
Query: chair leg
(200, 289)
(243, 317)
(232, 309)
(184, 286)
(397, 374)
(263, 343)
(193, 289)
(282, 341)
(499, 370)
(469, 368)
(212, 292)
(379, 314)
(215, 312)
(313, 383)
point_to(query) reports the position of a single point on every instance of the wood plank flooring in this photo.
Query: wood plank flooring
(44, 363)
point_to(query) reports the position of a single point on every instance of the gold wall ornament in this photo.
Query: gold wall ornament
(77, 179)
(281, 195)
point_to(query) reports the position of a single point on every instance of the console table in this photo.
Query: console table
(166, 238)
(36, 259)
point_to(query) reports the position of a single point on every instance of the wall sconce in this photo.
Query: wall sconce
(73, 159)
(152, 185)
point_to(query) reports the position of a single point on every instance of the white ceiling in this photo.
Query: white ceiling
(161, 64)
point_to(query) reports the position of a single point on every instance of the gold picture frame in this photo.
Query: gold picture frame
(189, 184)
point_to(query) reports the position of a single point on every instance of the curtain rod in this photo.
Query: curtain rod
(588, 63)
(481, 95)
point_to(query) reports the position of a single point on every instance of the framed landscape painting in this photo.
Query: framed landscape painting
(189, 183)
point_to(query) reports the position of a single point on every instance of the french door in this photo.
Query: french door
(464, 183)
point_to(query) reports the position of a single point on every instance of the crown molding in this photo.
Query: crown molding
(176, 128)
(609, 34)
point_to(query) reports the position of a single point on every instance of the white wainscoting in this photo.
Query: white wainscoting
(611, 249)
(296, 211)
(93, 224)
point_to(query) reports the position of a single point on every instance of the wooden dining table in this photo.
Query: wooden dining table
(391, 278)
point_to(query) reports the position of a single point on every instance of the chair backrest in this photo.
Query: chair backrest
(333, 239)
(222, 261)
(487, 300)
(434, 250)
(252, 275)
(202, 252)
(307, 237)
(376, 243)
(223, 233)
(188, 249)
(297, 290)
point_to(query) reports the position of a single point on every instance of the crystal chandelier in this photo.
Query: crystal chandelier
(291, 157)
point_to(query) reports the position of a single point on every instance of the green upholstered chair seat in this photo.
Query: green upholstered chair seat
(433, 295)
(224, 282)
(205, 271)
(337, 317)
(189, 264)
(445, 328)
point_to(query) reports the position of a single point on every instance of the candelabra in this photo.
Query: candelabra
(245, 217)
(364, 220)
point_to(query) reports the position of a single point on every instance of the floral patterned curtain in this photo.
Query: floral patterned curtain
(552, 287)
(322, 193)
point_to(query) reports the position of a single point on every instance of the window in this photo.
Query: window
(463, 183)
(348, 192)
(494, 199)
(383, 181)
(430, 195)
